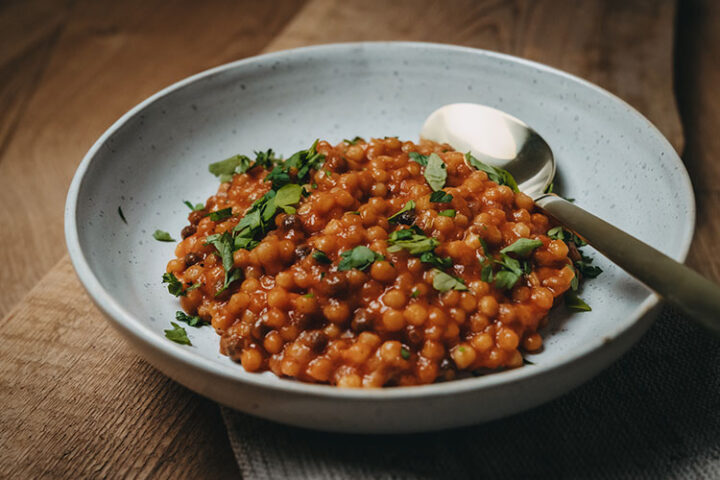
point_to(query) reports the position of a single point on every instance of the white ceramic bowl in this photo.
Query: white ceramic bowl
(610, 158)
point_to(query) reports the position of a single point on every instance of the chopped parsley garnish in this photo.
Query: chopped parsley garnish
(122, 215)
(584, 264)
(575, 303)
(220, 215)
(175, 286)
(309, 295)
(447, 213)
(522, 247)
(298, 165)
(405, 353)
(321, 257)
(440, 197)
(354, 212)
(443, 282)
(224, 169)
(354, 140)
(194, 208)
(415, 293)
(436, 261)
(406, 215)
(559, 233)
(225, 246)
(288, 196)
(411, 239)
(421, 159)
(177, 334)
(496, 174)
(359, 257)
(162, 236)
(193, 321)
(435, 172)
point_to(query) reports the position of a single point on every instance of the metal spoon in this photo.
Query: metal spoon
(501, 140)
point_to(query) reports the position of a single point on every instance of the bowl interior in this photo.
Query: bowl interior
(610, 159)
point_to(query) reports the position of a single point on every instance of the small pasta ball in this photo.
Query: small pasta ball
(395, 298)
(251, 359)
(393, 320)
(383, 271)
(305, 304)
(278, 297)
(463, 355)
(532, 342)
(507, 339)
(415, 314)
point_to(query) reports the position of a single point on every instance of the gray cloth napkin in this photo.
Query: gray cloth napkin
(654, 414)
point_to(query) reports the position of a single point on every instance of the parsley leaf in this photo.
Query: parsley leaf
(190, 320)
(177, 334)
(436, 261)
(575, 303)
(522, 247)
(406, 216)
(496, 174)
(220, 215)
(161, 236)
(435, 172)
(224, 245)
(440, 196)
(288, 196)
(447, 213)
(421, 159)
(194, 208)
(224, 169)
(444, 282)
(122, 215)
(408, 239)
(264, 159)
(559, 233)
(175, 286)
(299, 164)
(405, 353)
(353, 141)
(359, 257)
(415, 293)
(321, 257)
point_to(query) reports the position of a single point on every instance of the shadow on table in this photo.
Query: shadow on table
(654, 414)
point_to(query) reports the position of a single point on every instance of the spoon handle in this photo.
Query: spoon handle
(675, 282)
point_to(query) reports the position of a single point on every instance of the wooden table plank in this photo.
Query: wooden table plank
(128, 419)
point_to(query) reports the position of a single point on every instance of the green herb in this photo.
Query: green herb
(122, 215)
(175, 286)
(447, 213)
(404, 353)
(496, 174)
(193, 321)
(225, 246)
(353, 141)
(444, 282)
(415, 293)
(288, 196)
(321, 257)
(522, 247)
(194, 208)
(511, 270)
(436, 261)
(177, 334)
(354, 212)
(258, 220)
(359, 257)
(299, 165)
(549, 188)
(327, 173)
(314, 186)
(435, 172)
(402, 216)
(224, 169)
(220, 215)
(486, 274)
(309, 295)
(584, 265)
(265, 159)
(484, 246)
(161, 236)
(440, 197)
(587, 270)
(575, 303)
(421, 159)
(409, 239)
(559, 233)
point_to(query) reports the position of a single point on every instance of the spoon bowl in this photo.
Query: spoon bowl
(495, 138)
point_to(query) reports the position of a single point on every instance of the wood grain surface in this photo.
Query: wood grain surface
(78, 403)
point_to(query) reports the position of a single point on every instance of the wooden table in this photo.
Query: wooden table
(77, 402)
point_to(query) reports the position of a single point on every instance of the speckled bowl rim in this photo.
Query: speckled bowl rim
(133, 327)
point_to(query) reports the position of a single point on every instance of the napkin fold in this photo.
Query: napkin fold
(654, 414)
